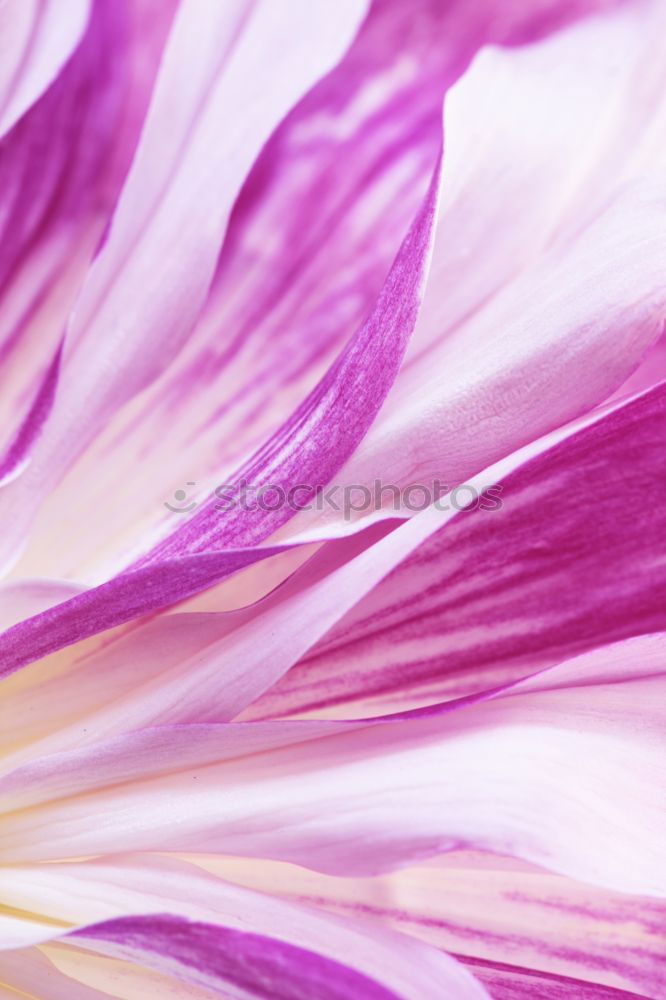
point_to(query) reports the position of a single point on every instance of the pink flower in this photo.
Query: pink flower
(331, 478)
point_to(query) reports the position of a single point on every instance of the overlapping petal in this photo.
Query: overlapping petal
(448, 604)
(486, 773)
(129, 311)
(62, 165)
(514, 923)
(549, 247)
(176, 920)
(449, 725)
(570, 561)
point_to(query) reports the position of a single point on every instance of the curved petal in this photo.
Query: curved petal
(549, 247)
(194, 153)
(492, 912)
(529, 771)
(61, 167)
(420, 617)
(175, 918)
(307, 248)
(562, 559)
(304, 448)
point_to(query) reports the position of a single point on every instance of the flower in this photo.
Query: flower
(259, 745)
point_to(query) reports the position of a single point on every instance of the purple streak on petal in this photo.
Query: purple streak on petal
(307, 449)
(512, 982)
(317, 439)
(568, 563)
(50, 160)
(120, 600)
(224, 959)
(18, 451)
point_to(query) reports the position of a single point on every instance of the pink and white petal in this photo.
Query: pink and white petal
(193, 667)
(304, 450)
(569, 562)
(124, 979)
(543, 253)
(414, 625)
(307, 249)
(37, 39)
(120, 600)
(313, 443)
(59, 185)
(490, 910)
(195, 151)
(531, 770)
(150, 908)
(50, 200)
(62, 693)
(515, 184)
(233, 963)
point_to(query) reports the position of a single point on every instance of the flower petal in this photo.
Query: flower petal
(415, 614)
(29, 973)
(568, 562)
(486, 774)
(61, 167)
(304, 259)
(549, 247)
(175, 918)
(131, 317)
(182, 566)
(504, 917)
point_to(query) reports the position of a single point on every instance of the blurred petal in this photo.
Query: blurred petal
(24, 598)
(29, 973)
(37, 39)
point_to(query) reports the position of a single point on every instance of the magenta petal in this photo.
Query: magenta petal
(324, 431)
(567, 563)
(233, 963)
(119, 600)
